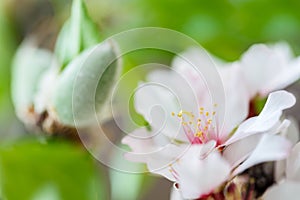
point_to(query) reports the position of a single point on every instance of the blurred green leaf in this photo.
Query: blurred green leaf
(128, 185)
(56, 170)
(8, 44)
(77, 34)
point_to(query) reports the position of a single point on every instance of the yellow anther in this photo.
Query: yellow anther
(207, 113)
(201, 112)
(215, 105)
(190, 122)
(199, 134)
(201, 108)
(173, 114)
(179, 114)
(214, 113)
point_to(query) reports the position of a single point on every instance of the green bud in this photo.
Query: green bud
(84, 86)
(77, 34)
(29, 65)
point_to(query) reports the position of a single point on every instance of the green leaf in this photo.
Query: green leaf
(55, 170)
(128, 185)
(77, 34)
(29, 65)
(84, 86)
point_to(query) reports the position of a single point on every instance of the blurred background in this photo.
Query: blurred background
(34, 167)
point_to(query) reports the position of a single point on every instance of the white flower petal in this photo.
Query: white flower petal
(267, 119)
(188, 65)
(160, 161)
(184, 92)
(261, 63)
(156, 151)
(201, 71)
(286, 78)
(139, 147)
(286, 190)
(236, 97)
(157, 103)
(197, 177)
(269, 148)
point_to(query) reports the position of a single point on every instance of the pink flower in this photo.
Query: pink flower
(199, 143)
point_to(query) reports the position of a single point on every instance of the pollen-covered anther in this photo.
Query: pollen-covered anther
(179, 114)
(199, 134)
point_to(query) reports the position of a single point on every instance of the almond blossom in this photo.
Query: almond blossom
(200, 144)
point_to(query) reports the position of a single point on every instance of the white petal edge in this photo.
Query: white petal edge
(269, 116)
(269, 148)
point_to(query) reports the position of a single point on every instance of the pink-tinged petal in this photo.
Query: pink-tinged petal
(261, 63)
(293, 164)
(269, 148)
(287, 190)
(196, 176)
(267, 119)
(157, 152)
(175, 194)
(200, 69)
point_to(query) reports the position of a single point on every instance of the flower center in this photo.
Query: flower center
(198, 129)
